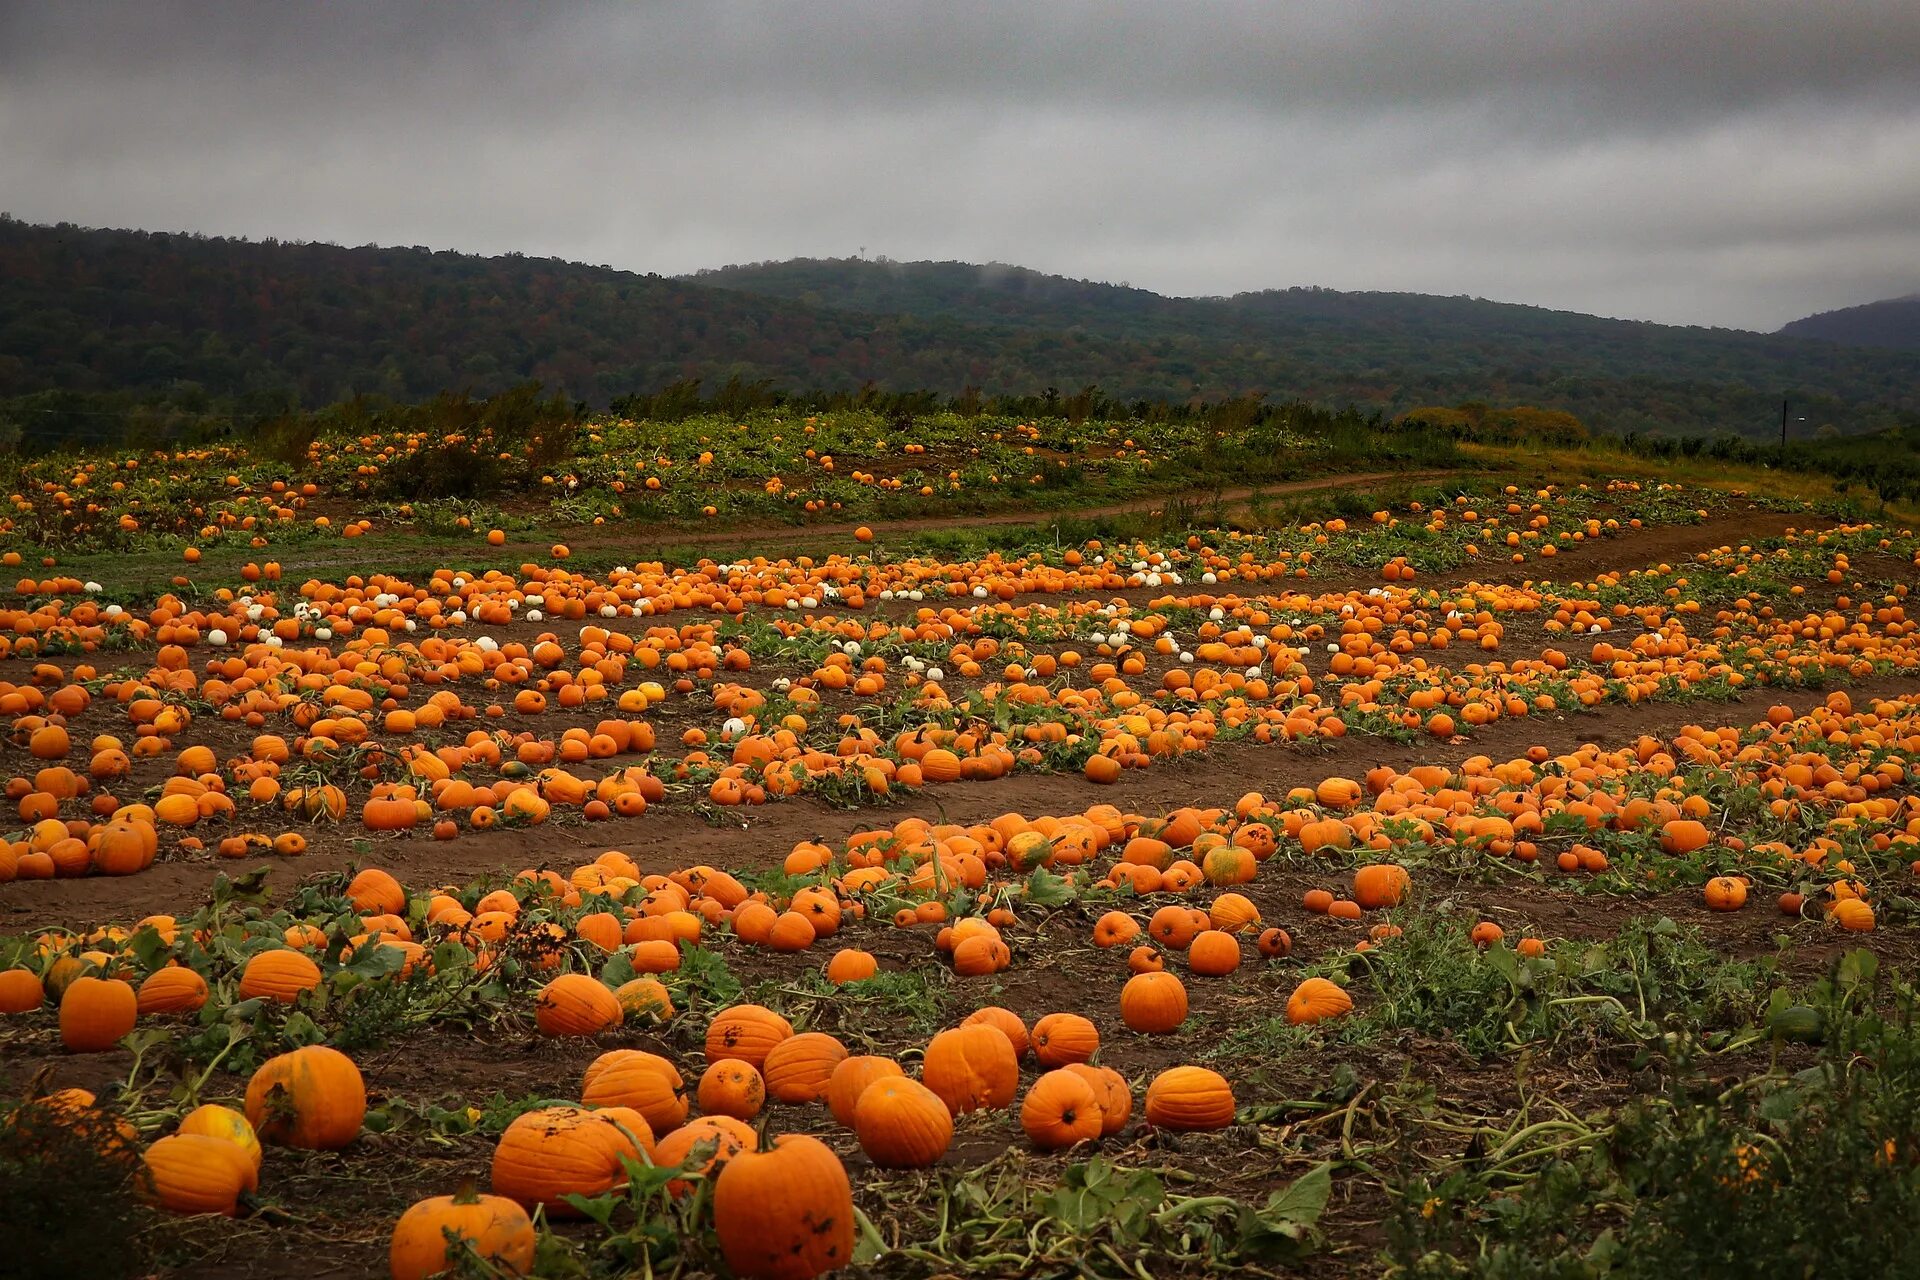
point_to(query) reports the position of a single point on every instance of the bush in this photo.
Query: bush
(68, 1181)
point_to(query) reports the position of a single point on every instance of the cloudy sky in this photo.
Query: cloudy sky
(1710, 162)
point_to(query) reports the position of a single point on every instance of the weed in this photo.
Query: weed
(68, 1179)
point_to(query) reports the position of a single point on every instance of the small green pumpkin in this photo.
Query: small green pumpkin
(1798, 1024)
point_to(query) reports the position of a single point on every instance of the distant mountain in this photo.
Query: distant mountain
(92, 317)
(91, 310)
(1893, 323)
(1394, 350)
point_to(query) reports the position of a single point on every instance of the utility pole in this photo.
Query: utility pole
(1783, 422)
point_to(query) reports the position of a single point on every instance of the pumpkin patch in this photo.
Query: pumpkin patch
(887, 896)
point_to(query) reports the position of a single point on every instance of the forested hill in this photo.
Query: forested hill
(92, 310)
(1396, 348)
(90, 317)
(1892, 323)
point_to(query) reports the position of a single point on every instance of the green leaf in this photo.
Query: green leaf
(1604, 1253)
(618, 970)
(1342, 1085)
(1857, 968)
(245, 1010)
(1302, 1202)
(1099, 1193)
(1780, 1107)
(868, 1247)
(600, 1208)
(148, 947)
(140, 1041)
(374, 962)
(449, 956)
(1503, 962)
(1044, 889)
(302, 1030)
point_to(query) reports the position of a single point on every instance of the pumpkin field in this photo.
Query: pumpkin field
(787, 846)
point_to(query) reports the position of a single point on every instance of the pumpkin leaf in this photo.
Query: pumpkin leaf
(248, 887)
(618, 970)
(599, 1208)
(1100, 1193)
(1504, 962)
(1045, 889)
(371, 962)
(703, 979)
(1283, 1227)
(1604, 1253)
(1780, 1107)
(1342, 1085)
(1304, 1199)
(450, 955)
(1857, 968)
(302, 1030)
(868, 1247)
(245, 1010)
(147, 947)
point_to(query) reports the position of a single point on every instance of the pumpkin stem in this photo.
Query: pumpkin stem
(37, 1086)
(467, 1192)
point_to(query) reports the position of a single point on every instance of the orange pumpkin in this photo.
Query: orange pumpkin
(1316, 1000)
(1060, 1110)
(1153, 1003)
(1190, 1099)
(971, 1068)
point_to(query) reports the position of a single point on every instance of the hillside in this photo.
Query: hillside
(90, 310)
(1893, 323)
(1399, 349)
(92, 322)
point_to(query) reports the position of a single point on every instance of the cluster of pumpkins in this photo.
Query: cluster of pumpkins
(782, 1211)
(352, 690)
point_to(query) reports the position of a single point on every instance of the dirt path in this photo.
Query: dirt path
(667, 837)
(1234, 497)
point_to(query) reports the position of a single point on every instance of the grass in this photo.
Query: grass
(1432, 981)
(917, 1001)
(1097, 1218)
(1601, 459)
(1775, 1174)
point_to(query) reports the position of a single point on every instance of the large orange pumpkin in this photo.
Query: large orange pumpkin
(1153, 1003)
(747, 1032)
(1316, 1000)
(1061, 1109)
(971, 1068)
(902, 1124)
(575, 1005)
(785, 1214)
(1190, 1098)
(553, 1152)
(437, 1232)
(645, 1082)
(1384, 884)
(312, 1098)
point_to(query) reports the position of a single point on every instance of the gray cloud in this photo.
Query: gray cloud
(1725, 163)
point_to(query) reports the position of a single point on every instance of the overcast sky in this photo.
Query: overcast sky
(1712, 162)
